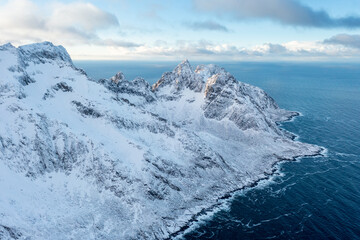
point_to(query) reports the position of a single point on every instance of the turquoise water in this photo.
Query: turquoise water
(313, 198)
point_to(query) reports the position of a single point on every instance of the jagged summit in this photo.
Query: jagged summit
(183, 76)
(118, 77)
(183, 67)
(6, 46)
(21, 61)
(40, 53)
(137, 87)
(44, 52)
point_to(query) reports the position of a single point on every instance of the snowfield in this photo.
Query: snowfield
(118, 159)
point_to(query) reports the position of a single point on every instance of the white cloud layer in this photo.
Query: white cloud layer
(76, 23)
(84, 16)
(208, 51)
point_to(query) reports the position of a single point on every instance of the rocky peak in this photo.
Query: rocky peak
(118, 78)
(137, 87)
(140, 82)
(6, 46)
(43, 53)
(183, 68)
(183, 76)
(217, 82)
(206, 71)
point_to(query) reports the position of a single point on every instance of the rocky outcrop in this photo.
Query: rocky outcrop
(223, 96)
(44, 52)
(137, 87)
(183, 76)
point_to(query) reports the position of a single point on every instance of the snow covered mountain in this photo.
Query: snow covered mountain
(118, 159)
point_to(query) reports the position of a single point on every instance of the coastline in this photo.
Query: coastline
(228, 195)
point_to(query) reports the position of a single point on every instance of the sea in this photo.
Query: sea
(311, 198)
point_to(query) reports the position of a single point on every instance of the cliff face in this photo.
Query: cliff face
(118, 159)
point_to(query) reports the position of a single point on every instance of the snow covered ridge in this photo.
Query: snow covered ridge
(118, 159)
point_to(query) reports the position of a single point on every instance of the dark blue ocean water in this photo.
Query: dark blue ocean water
(313, 198)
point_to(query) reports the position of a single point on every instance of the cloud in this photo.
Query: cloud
(19, 14)
(288, 12)
(76, 23)
(117, 43)
(205, 50)
(346, 40)
(83, 16)
(276, 48)
(206, 25)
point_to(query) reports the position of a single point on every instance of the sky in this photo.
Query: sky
(208, 30)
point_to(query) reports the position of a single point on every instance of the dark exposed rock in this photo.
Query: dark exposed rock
(7, 233)
(137, 87)
(25, 79)
(63, 86)
(86, 111)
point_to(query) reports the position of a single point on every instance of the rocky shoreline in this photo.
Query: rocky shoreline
(230, 194)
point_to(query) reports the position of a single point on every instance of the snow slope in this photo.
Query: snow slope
(118, 159)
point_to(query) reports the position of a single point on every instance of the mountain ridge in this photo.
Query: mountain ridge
(140, 161)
